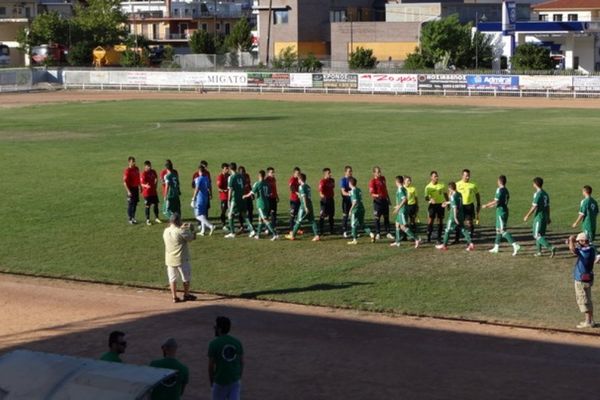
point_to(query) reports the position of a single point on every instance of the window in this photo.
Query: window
(280, 17)
(575, 63)
(204, 27)
(557, 18)
(175, 11)
(2, 10)
(543, 17)
(218, 26)
(227, 29)
(186, 11)
(337, 16)
(572, 17)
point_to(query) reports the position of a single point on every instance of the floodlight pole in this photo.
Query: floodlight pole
(269, 32)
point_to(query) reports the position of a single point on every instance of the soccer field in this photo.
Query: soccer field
(64, 211)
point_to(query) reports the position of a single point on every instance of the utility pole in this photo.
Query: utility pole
(269, 31)
(476, 41)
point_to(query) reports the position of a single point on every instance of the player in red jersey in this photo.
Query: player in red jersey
(131, 181)
(381, 202)
(273, 197)
(294, 185)
(163, 173)
(149, 181)
(223, 192)
(326, 191)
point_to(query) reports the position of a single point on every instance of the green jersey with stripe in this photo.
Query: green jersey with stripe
(304, 191)
(235, 184)
(502, 197)
(588, 208)
(172, 180)
(356, 198)
(262, 191)
(456, 203)
(542, 202)
(401, 195)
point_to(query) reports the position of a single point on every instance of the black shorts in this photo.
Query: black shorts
(381, 207)
(273, 206)
(436, 211)
(224, 205)
(327, 207)
(469, 211)
(151, 200)
(135, 196)
(294, 207)
(412, 210)
(346, 204)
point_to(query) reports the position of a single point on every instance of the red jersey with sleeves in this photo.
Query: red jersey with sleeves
(222, 186)
(378, 186)
(164, 173)
(272, 182)
(149, 178)
(294, 186)
(131, 177)
(327, 187)
(247, 183)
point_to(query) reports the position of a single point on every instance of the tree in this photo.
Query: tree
(530, 56)
(362, 59)
(47, 28)
(101, 21)
(286, 60)
(310, 64)
(415, 61)
(202, 42)
(240, 38)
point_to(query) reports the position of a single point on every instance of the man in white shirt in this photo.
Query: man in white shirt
(177, 255)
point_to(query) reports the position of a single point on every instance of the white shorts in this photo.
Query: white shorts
(185, 271)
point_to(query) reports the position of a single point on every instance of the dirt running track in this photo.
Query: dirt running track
(300, 352)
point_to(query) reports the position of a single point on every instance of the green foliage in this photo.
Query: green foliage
(202, 42)
(240, 38)
(310, 64)
(362, 59)
(80, 53)
(415, 61)
(46, 28)
(101, 21)
(133, 59)
(530, 56)
(168, 53)
(286, 60)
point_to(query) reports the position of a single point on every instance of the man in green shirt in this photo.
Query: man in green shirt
(237, 205)
(172, 204)
(541, 207)
(261, 191)
(306, 210)
(357, 212)
(116, 345)
(171, 388)
(456, 219)
(588, 213)
(225, 362)
(501, 203)
(435, 196)
(401, 211)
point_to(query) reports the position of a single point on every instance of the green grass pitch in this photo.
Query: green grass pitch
(64, 211)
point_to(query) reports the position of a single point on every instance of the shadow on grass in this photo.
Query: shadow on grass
(313, 288)
(228, 119)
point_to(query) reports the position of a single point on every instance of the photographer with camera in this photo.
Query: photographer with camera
(177, 255)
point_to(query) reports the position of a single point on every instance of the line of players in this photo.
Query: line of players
(236, 195)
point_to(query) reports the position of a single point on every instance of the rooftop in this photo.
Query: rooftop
(568, 5)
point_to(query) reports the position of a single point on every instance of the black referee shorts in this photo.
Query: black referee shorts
(436, 211)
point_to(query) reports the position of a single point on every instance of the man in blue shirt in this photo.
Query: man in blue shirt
(346, 202)
(583, 274)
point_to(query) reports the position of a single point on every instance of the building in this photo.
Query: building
(568, 10)
(15, 16)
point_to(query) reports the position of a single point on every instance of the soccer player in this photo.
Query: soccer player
(306, 210)
(131, 182)
(172, 204)
(401, 211)
(501, 203)
(273, 196)
(294, 199)
(248, 201)
(588, 213)
(541, 207)
(237, 204)
(223, 192)
(412, 203)
(196, 174)
(381, 202)
(162, 177)
(357, 211)
(326, 193)
(456, 218)
(346, 199)
(149, 181)
(435, 196)
(201, 199)
(262, 192)
(470, 194)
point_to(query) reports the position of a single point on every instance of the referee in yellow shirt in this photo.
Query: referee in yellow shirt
(435, 195)
(412, 203)
(470, 194)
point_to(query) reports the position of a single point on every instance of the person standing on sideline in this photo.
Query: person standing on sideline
(237, 203)
(225, 362)
(346, 199)
(456, 219)
(401, 211)
(357, 212)
(412, 203)
(435, 196)
(470, 195)
(223, 193)
(501, 203)
(116, 346)
(162, 175)
(131, 181)
(306, 210)
(381, 203)
(261, 192)
(583, 275)
(177, 255)
(172, 388)
(273, 197)
(294, 199)
(541, 207)
(149, 181)
(249, 205)
(201, 199)
(326, 193)
(172, 204)
(588, 213)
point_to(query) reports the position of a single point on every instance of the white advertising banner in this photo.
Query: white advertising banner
(538, 82)
(587, 83)
(406, 83)
(99, 77)
(301, 80)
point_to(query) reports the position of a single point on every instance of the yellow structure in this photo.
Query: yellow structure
(108, 56)
(302, 48)
(386, 50)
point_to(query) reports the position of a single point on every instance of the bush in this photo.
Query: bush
(80, 54)
(202, 42)
(311, 64)
(530, 56)
(415, 61)
(287, 59)
(362, 59)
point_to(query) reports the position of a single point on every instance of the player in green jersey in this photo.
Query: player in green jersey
(261, 191)
(172, 204)
(401, 211)
(501, 203)
(237, 205)
(541, 207)
(588, 213)
(357, 212)
(306, 210)
(456, 219)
